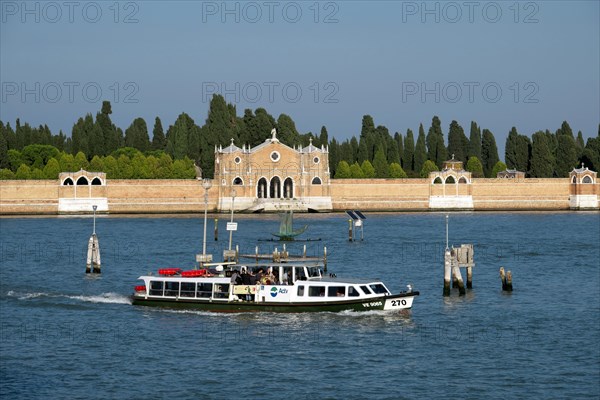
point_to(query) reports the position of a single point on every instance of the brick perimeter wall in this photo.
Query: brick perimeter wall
(165, 196)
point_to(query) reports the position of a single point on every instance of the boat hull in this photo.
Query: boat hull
(388, 303)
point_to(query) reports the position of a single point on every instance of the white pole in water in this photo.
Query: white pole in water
(446, 231)
(233, 193)
(94, 207)
(206, 184)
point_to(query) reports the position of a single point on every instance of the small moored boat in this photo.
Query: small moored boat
(278, 287)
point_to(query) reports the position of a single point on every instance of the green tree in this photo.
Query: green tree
(37, 173)
(436, 149)
(113, 137)
(343, 170)
(356, 172)
(159, 142)
(96, 165)
(498, 167)
(6, 174)
(334, 157)
(52, 169)
(392, 151)
(286, 130)
(475, 141)
(111, 167)
(591, 154)
(15, 159)
(165, 167)
(363, 152)
(324, 137)
(136, 135)
(124, 167)
(409, 151)
(67, 163)
(489, 152)
(458, 144)
(523, 153)
(566, 153)
(177, 137)
(511, 148)
(382, 168)
(368, 169)
(37, 155)
(542, 159)
(428, 166)
(23, 172)
(474, 167)
(140, 168)
(420, 155)
(81, 161)
(3, 147)
(400, 146)
(396, 171)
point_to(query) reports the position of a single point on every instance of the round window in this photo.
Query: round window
(275, 156)
(316, 160)
(237, 160)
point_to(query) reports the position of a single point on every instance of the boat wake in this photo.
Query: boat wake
(107, 298)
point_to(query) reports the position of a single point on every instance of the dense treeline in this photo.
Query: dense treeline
(97, 144)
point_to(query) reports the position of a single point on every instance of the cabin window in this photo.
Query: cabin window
(352, 292)
(336, 291)
(365, 289)
(314, 272)
(300, 291)
(300, 274)
(204, 290)
(316, 291)
(172, 289)
(378, 288)
(221, 291)
(188, 289)
(156, 288)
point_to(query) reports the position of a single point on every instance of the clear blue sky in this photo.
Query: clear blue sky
(503, 64)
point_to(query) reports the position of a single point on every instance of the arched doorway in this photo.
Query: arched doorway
(83, 181)
(275, 188)
(262, 188)
(288, 188)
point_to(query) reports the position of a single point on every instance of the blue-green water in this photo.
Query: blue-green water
(67, 335)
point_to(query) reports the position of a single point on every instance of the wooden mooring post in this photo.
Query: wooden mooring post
(350, 233)
(454, 260)
(506, 279)
(216, 229)
(93, 254)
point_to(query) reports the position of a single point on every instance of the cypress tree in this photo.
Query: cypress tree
(382, 168)
(324, 137)
(432, 138)
(392, 151)
(355, 148)
(489, 152)
(334, 149)
(368, 169)
(400, 146)
(475, 141)
(458, 144)
(523, 154)
(420, 154)
(3, 147)
(510, 149)
(542, 159)
(409, 151)
(286, 130)
(566, 155)
(159, 142)
(363, 152)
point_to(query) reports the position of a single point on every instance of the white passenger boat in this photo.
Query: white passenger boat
(277, 287)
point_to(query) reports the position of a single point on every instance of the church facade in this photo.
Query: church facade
(272, 177)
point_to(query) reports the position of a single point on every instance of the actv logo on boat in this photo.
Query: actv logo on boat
(274, 291)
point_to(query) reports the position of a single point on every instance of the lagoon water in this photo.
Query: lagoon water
(67, 335)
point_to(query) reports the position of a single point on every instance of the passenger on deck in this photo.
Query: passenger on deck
(236, 279)
(259, 275)
(245, 276)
